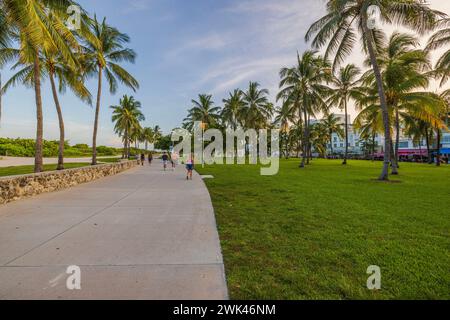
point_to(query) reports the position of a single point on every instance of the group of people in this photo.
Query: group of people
(173, 158)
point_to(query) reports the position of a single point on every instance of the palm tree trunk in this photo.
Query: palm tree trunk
(373, 147)
(395, 165)
(331, 142)
(427, 137)
(97, 111)
(346, 132)
(305, 140)
(308, 143)
(438, 154)
(393, 160)
(61, 123)
(38, 162)
(383, 102)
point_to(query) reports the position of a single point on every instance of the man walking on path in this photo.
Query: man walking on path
(142, 159)
(150, 158)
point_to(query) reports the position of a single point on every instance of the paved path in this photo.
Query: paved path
(142, 234)
(24, 161)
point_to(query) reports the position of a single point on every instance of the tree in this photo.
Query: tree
(53, 68)
(440, 39)
(403, 73)
(204, 111)
(331, 122)
(40, 24)
(347, 18)
(302, 86)
(285, 115)
(346, 87)
(148, 136)
(126, 117)
(232, 110)
(256, 110)
(102, 54)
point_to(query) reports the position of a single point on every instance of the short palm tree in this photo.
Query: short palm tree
(284, 117)
(102, 54)
(256, 111)
(331, 122)
(345, 19)
(126, 117)
(148, 136)
(232, 109)
(204, 111)
(346, 86)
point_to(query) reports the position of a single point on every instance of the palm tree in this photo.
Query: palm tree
(52, 66)
(204, 111)
(403, 73)
(40, 24)
(440, 39)
(331, 122)
(256, 110)
(232, 110)
(302, 86)
(4, 43)
(346, 18)
(346, 86)
(102, 54)
(148, 136)
(157, 133)
(126, 117)
(285, 115)
(320, 135)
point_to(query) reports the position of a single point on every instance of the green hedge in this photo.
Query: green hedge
(25, 148)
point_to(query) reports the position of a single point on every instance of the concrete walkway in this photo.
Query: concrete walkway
(143, 234)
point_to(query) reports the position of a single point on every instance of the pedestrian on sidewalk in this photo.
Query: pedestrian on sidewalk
(150, 158)
(174, 159)
(165, 159)
(142, 159)
(189, 166)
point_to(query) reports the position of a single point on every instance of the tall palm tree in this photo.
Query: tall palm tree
(204, 111)
(232, 109)
(126, 117)
(40, 25)
(345, 19)
(157, 133)
(4, 43)
(303, 87)
(53, 67)
(256, 110)
(102, 54)
(331, 122)
(405, 80)
(346, 87)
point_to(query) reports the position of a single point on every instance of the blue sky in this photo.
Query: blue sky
(184, 47)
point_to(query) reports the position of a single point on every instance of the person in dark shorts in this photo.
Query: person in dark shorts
(189, 166)
(142, 159)
(165, 159)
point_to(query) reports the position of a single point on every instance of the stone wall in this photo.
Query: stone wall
(17, 187)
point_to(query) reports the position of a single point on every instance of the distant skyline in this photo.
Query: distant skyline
(184, 48)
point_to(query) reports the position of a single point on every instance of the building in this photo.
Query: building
(406, 145)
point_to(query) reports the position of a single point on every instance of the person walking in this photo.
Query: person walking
(142, 159)
(150, 158)
(189, 166)
(174, 159)
(165, 159)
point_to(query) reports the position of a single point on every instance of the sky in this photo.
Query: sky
(184, 48)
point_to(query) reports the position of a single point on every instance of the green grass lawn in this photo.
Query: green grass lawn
(311, 233)
(17, 170)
